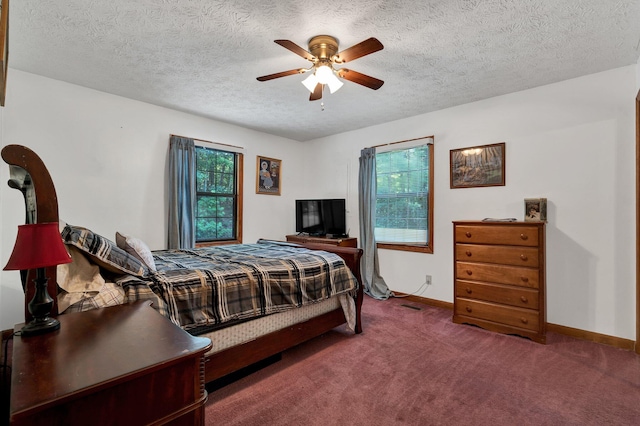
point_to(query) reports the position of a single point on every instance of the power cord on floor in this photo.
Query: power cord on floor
(418, 291)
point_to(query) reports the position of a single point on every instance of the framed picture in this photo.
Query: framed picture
(268, 175)
(535, 209)
(477, 166)
(4, 48)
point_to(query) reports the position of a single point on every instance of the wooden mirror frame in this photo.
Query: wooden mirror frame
(4, 48)
(637, 345)
(46, 211)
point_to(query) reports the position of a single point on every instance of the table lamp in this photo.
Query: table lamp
(38, 246)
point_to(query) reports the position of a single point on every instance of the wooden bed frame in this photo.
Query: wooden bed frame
(218, 364)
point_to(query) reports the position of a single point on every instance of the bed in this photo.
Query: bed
(252, 300)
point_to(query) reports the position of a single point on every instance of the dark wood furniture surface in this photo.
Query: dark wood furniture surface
(340, 242)
(120, 365)
(499, 276)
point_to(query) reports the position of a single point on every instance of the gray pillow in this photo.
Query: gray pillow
(136, 248)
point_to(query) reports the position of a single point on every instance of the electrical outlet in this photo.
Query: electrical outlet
(428, 280)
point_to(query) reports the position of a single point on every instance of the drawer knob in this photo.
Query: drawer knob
(524, 237)
(524, 257)
(525, 279)
(468, 253)
(524, 320)
(469, 309)
(468, 290)
(468, 234)
(469, 271)
(524, 299)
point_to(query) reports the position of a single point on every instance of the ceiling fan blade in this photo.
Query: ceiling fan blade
(359, 50)
(281, 74)
(363, 79)
(317, 92)
(287, 44)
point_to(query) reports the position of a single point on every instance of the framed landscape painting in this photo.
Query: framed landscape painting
(268, 176)
(478, 166)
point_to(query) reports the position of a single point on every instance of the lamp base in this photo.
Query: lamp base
(40, 326)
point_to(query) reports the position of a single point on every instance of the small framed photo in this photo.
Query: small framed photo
(477, 166)
(268, 175)
(535, 209)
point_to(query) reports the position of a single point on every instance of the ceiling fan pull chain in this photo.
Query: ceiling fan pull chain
(322, 106)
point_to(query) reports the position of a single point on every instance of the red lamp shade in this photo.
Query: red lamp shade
(37, 245)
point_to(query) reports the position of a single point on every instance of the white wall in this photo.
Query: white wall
(107, 157)
(571, 142)
(638, 74)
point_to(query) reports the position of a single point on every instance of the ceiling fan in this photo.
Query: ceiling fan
(323, 53)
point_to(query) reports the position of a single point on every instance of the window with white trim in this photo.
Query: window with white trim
(404, 199)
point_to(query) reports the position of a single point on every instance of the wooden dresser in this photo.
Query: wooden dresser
(341, 242)
(124, 365)
(499, 275)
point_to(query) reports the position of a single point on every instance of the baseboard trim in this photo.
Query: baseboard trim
(590, 336)
(424, 300)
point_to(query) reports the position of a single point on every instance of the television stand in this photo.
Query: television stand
(340, 242)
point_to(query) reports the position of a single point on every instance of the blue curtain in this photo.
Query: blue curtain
(374, 284)
(182, 193)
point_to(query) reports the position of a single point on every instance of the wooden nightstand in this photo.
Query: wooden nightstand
(121, 365)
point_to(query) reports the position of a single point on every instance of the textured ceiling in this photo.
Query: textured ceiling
(203, 56)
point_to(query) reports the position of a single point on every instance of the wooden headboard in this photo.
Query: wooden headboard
(29, 175)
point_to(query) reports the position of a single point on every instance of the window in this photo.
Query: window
(404, 199)
(218, 196)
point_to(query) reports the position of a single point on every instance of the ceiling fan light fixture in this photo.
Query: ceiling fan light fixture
(323, 54)
(324, 74)
(334, 84)
(310, 82)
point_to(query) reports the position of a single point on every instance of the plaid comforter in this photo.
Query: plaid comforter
(214, 285)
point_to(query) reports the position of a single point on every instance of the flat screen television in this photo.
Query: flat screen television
(322, 217)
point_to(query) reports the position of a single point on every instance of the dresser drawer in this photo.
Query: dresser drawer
(508, 315)
(505, 235)
(520, 256)
(507, 295)
(512, 275)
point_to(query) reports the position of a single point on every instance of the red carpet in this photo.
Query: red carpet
(416, 367)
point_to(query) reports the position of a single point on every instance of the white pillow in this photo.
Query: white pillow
(79, 279)
(137, 248)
